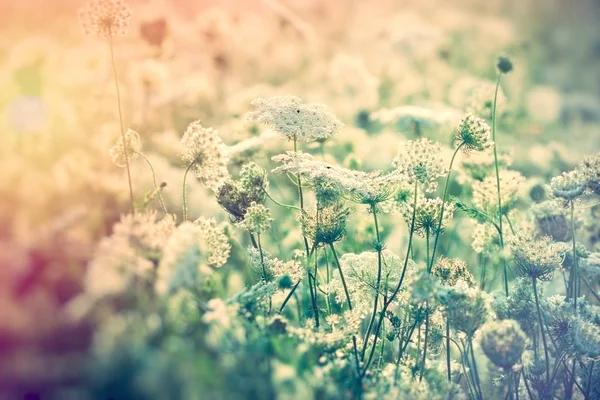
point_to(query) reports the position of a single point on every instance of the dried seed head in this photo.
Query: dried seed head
(105, 18)
(503, 342)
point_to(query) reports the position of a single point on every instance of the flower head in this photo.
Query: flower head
(257, 219)
(504, 65)
(326, 225)
(534, 258)
(121, 153)
(427, 215)
(590, 169)
(452, 270)
(552, 220)
(467, 308)
(503, 342)
(105, 18)
(568, 186)
(421, 161)
(205, 152)
(292, 119)
(473, 134)
(485, 193)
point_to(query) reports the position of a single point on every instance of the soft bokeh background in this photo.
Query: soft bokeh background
(187, 60)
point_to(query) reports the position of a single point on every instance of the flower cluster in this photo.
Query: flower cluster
(473, 134)
(293, 120)
(257, 219)
(568, 187)
(534, 258)
(105, 18)
(325, 226)
(590, 169)
(121, 153)
(503, 342)
(204, 151)
(452, 270)
(485, 195)
(421, 161)
(427, 215)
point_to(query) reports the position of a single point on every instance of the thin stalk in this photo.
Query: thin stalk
(588, 386)
(339, 267)
(498, 179)
(184, 192)
(440, 218)
(278, 203)
(426, 314)
(262, 259)
(476, 373)
(114, 67)
(289, 296)
(574, 285)
(448, 370)
(397, 289)
(316, 302)
(377, 284)
(158, 190)
(541, 322)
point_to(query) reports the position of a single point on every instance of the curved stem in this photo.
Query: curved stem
(278, 203)
(339, 267)
(397, 289)
(158, 190)
(498, 179)
(114, 67)
(184, 192)
(440, 218)
(377, 283)
(541, 322)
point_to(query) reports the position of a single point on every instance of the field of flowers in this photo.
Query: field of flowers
(300, 199)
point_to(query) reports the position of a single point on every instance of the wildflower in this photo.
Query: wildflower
(236, 196)
(590, 169)
(421, 161)
(105, 18)
(485, 239)
(467, 308)
(292, 119)
(485, 193)
(253, 182)
(120, 153)
(568, 186)
(216, 244)
(325, 226)
(327, 193)
(504, 65)
(274, 267)
(534, 258)
(552, 220)
(452, 270)
(503, 342)
(204, 151)
(585, 337)
(257, 219)
(520, 305)
(190, 253)
(145, 231)
(472, 134)
(427, 215)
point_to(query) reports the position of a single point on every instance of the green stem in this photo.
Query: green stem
(397, 289)
(278, 203)
(426, 315)
(377, 283)
(158, 190)
(114, 67)
(448, 369)
(184, 192)
(574, 284)
(475, 372)
(498, 180)
(289, 296)
(339, 267)
(588, 386)
(262, 258)
(440, 218)
(541, 322)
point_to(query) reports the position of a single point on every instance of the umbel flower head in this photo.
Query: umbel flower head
(427, 215)
(421, 161)
(503, 342)
(485, 195)
(467, 308)
(121, 153)
(326, 225)
(568, 186)
(590, 169)
(534, 258)
(204, 151)
(473, 134)
(552, 220)
(235, 196)
(105, 18)
(292, 119)
(257, 219)
(452, 270)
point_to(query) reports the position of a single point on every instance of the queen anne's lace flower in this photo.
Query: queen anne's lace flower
(326, 225)
(421, 160)
(534, 258)
(205, 152)
(292, 119)
(105, 18)
(120, 154)
(503, 342)
(590, 169)
(473, 134)
(427, 215)
(568, 186)
(485, 193)
(257, 219)
(451, 270)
